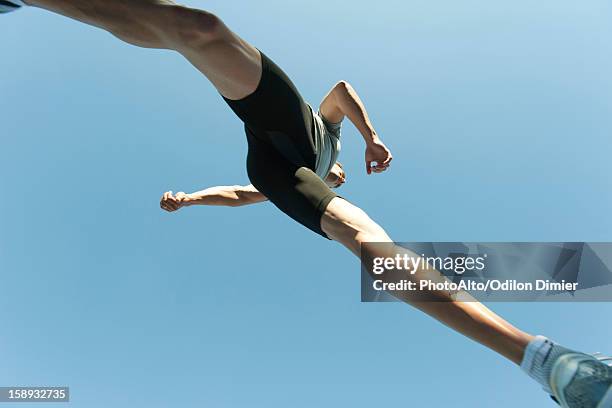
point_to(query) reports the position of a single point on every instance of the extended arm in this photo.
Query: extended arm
(343, 101)
(230, 196)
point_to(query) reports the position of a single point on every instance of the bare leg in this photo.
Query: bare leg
(234, 68)
(230, 63)
(349, 225)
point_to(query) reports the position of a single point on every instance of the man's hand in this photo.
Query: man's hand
(377, 152)
(172, 202)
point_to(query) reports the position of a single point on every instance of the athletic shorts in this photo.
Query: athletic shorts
(281, 158)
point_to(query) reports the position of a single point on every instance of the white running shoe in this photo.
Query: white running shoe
(7, 6)
(582, 381)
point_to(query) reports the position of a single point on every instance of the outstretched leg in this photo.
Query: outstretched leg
(349, 225)
(231, 64)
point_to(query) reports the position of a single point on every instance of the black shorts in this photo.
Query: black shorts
(281, 159)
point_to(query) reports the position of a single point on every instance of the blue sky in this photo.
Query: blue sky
(499, 116)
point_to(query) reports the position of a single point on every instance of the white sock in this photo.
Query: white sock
(540, 355)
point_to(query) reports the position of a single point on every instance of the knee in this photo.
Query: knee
(195, 27)
(366, 229)
(174, 27)
(351, 226)
(372, 233)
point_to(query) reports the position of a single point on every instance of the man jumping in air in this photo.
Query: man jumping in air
(292, 162)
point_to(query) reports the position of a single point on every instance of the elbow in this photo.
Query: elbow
(342, 86)
(343, 90)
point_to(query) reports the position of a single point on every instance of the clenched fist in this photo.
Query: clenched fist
(377, 152)
(172, 202)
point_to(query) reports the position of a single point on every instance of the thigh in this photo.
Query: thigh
(296, 191)
(231, 64)
(112, 14)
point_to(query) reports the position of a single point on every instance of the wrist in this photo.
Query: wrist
(372, 138)
(187, 200)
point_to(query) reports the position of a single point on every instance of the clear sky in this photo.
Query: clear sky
(499, 116)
